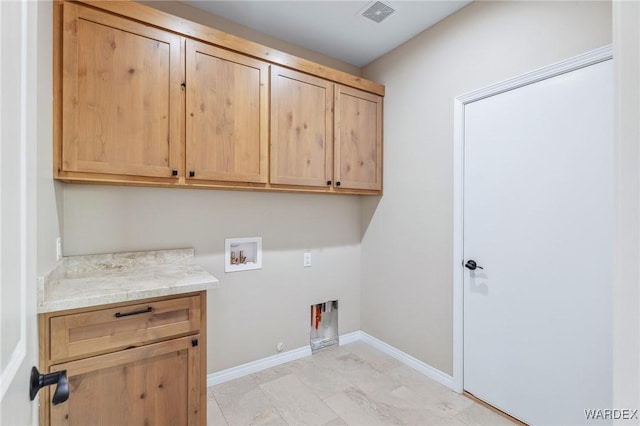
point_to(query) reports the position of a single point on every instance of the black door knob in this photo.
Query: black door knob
(472, 265)
(38, 381)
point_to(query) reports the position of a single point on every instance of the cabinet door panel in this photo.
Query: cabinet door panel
(156, 385)
(358, 139)
(301, 128)
(122, 111)
(227, 115)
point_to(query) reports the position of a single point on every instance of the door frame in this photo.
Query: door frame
(571, 64)
(19, 351)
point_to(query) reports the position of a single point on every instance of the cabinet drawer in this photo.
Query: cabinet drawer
(90, 333)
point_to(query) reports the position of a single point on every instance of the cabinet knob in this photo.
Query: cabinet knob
(338, 183)
(183, 86)
(174, 172)
(328, 182)
(192, 173)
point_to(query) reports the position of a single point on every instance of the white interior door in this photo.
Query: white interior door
(18, 351)
(539, 218)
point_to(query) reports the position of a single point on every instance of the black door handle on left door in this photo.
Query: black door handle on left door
(472, 265)
(38, 381)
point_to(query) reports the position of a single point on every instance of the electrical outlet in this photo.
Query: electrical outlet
(307, 260)
(58, 248)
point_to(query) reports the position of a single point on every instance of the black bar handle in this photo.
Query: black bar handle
(128, 314)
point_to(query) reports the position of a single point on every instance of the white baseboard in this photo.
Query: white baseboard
(409, 361)
(292, 355)
(345, 339)
(258, 365)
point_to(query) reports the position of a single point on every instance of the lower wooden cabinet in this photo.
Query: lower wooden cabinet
(159, 380)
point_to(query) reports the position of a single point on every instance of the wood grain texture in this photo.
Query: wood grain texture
(224, 165)
(43, 367)
(121, 95)
(102, 179)
(146, 385)
(206, 34)
(301, 128)
(494, 409)
(358, 139)
(198, 377)
(227, 115)
(57, 86)
(99, 331)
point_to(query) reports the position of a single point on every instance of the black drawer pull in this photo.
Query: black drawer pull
(128, 314)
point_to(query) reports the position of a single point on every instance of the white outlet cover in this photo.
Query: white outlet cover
(307, 260)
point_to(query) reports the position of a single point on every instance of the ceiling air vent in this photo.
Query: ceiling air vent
(378, 11)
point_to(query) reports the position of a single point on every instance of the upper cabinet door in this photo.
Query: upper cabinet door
(227, 115)
(301, 129)
(121, 96)
(358, 139)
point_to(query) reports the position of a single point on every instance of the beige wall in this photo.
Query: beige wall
(49, 192)
(251, 311)
(254, 310)
(196, 15)
(407, 241)
(404, 238)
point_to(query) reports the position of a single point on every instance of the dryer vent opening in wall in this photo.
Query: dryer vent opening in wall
(324, 325)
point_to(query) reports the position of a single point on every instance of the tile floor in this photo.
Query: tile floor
(353, 384)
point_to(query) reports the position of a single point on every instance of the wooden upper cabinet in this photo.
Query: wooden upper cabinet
(121, 95)
(227, 115)
(144, 98)
(358, 139)
(301, 129)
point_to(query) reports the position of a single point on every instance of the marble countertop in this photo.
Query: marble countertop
(83, 281)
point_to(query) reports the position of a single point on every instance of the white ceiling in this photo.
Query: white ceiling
(334, 28)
